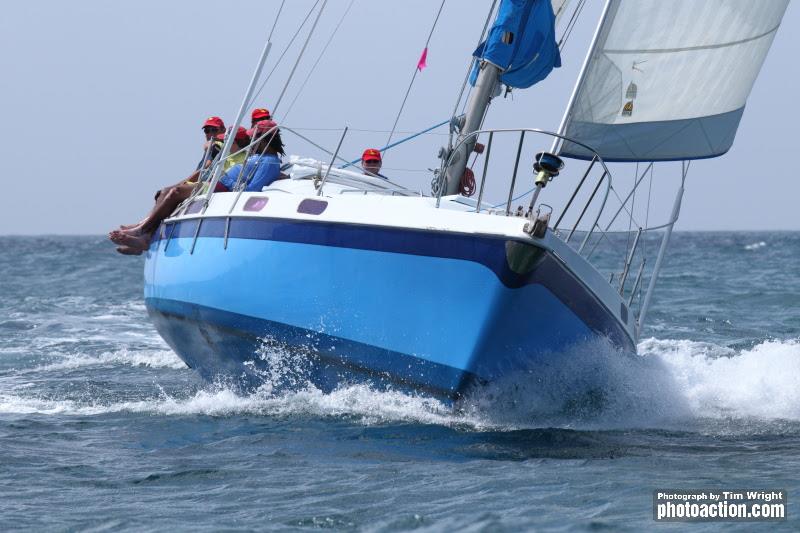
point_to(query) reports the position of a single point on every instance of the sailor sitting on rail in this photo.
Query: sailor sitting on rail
(261, 168)
(258, 115)
(371, 163)
(133, 239)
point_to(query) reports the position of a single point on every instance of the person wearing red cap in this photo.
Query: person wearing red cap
(263, 166)
(371, 162)
(258, 115)
(212, 127)
(135, 239)
(238, 148)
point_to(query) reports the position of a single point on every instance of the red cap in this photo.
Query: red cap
(371, 154)
(214, 122)
(242, 137)
(260, 113)
(261, 128)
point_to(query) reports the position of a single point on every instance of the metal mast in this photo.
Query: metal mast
(482, 94)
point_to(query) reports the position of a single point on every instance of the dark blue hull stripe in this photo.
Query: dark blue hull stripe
(533, 265)
(484, 250)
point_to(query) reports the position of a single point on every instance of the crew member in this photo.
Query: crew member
(264, 165)
(258, 115)
(371, 162)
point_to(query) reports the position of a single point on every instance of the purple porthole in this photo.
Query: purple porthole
(255, 203)
(312, 207)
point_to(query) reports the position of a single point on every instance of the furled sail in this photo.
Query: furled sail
(668, 80)
(521, 42)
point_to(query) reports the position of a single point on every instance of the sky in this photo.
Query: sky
(103, 103)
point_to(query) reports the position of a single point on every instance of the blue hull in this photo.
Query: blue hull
(433, 311)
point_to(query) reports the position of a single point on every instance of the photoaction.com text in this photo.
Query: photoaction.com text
(709, 505)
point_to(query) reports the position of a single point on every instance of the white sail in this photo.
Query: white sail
(669, 80)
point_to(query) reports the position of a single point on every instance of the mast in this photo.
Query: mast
(520, 50)
(478, 103)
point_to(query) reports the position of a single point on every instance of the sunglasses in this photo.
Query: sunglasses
(210, 129)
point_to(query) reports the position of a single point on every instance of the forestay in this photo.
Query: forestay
(668, 80)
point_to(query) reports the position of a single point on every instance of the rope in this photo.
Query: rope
(305, 81)
(299, 57)
(414, 76)
(291, 41)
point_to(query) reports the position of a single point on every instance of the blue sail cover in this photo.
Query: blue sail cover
(522, 43)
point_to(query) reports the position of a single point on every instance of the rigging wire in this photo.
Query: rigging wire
(647, 215)
(414, 76)
(573, 20)
(324, 49)
(633, 206)
(300, 56)
(285, 50)
(369, 131)
(275, 22)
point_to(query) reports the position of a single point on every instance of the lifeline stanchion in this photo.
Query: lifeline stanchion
(325, 177)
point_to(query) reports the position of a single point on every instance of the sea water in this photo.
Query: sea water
(102, 427)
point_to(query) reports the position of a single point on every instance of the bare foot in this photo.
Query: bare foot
(132, 241)
(117, 236)
(127, 250)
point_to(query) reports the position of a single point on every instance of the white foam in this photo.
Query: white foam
(359, 403)
(150, 358)
(755, 245)
(717, 382)
(670, 383)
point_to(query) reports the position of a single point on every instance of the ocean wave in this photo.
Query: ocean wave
(761, 382)
(358, 403)
(755, 245)
(672, 384)
(148, 358)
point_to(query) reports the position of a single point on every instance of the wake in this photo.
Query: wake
(671, 384)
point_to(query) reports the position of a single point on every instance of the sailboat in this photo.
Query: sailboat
(364, 280)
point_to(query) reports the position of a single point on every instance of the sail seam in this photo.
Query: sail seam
(691, 48)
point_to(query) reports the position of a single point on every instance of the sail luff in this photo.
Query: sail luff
(581, 76)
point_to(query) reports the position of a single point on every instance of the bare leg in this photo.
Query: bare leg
(166, 205)
(160, 194)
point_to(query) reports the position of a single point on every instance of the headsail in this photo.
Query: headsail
(669, 80)
(521, 43)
